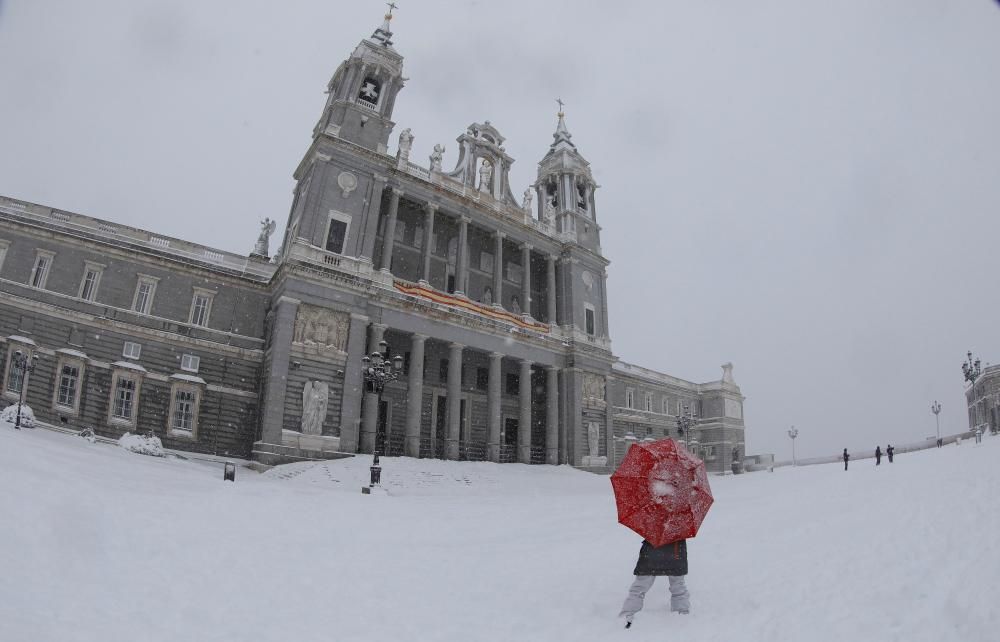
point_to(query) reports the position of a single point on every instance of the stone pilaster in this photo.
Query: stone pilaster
(454, 400)
(524, 423)
(389, 240)
(493, 407)
(414, 395)
(462, 266)
(526, 280)
(354, 386)
(550, 289)
(498, 269)
(282, 326)
(371, 219)
(431, 209)
(369, 411)
(552, 416)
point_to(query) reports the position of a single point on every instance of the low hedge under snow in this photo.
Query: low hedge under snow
(144, 445)
(9, 414)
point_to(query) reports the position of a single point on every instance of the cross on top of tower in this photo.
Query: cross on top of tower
(391, 5)
(561, 103)
(383, 35)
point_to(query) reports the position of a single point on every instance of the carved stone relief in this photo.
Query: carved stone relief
(593, 386)
(315, 398)
(321, 330)
(347, 182)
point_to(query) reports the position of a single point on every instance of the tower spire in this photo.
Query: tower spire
(562, 135)
(383, 35)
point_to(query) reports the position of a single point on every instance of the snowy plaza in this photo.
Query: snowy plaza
(103, 544)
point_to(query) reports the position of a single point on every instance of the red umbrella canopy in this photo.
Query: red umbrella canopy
(662, 491)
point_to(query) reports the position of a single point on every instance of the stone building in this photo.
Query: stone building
(497, 304)
(983, 400)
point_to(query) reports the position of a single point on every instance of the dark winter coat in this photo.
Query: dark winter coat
(669, 559)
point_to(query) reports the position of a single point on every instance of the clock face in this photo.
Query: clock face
(588, 279)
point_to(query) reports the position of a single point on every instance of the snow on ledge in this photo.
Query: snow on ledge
(128, 365)
(188, 378)
(71, 353)
(19, 339)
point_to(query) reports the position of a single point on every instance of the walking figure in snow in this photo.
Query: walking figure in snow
(888, 452)
(847, 458)
(878, 455)
(670, 560)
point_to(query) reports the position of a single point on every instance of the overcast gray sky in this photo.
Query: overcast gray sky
(807, 188)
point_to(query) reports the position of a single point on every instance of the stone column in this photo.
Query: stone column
(498, 269)
(390, 231)
(462, 264)
(540, 205)
(371, 220)
(550, 289)
(454, 400)
(552, 416)
(524, 423)
(604, 306)
(369, 410)
(609, 421)
(415, 395)
(353, 384)
(428, 242)
(282, 326)
(526, 280)
(493, 407)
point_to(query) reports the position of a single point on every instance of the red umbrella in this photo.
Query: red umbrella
(662, 491)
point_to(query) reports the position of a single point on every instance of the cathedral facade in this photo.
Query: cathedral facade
(496, 304)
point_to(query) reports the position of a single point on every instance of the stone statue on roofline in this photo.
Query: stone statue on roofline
(267, 227)
(526, 203)
(436, 157)
(405, 144)
(485, 176)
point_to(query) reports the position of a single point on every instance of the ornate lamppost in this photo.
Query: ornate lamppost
(793, 432)
(23, 365)
(684, 423)
(378, 369)
(936, 409)
(971, 368)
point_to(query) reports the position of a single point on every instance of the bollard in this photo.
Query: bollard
(230, 472)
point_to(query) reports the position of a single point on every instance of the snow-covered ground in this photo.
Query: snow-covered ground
(98, 543)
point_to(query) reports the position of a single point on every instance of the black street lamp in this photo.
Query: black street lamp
(23, 365)
(971, 368)
(936, 409)
(377, 370)
(684, 423)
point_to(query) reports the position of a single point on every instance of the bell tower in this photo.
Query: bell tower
(566, 188)
(362, 92)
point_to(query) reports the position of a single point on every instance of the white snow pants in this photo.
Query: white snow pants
(680, 601)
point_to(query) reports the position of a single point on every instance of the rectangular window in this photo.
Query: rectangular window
(418, 237)
(482, 378)
(629, 398)
(15, 375)
(399, 233)
(336, 232)
(486, 262)
(666, 406)
(69, 379)
(40, 272)
(201, 307)
(649, 402)
(513, 383)
(144, 291)
(88, 288)
(591, 319)
(124, 401)
(183, 410)
(190, 363)
(3, 252)
(131, 350)
(443, 370)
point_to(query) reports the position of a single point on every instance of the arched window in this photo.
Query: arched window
(370, 92)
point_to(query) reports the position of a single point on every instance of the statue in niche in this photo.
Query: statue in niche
(485, 176)
(436, 157)
(515, 304)
(487, 296)
(550, 208)
(315, 398)
(405, 143)
(594, 438)
(526, 203)
(266, 230)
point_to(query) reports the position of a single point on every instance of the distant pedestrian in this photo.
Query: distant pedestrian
(847, 458)
(878, 455)
(888, 451)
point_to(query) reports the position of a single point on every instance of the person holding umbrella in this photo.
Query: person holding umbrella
(662, 493)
